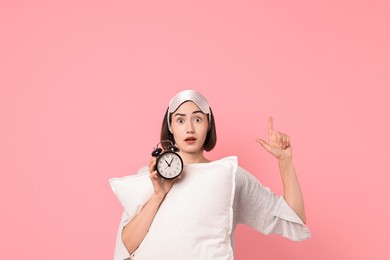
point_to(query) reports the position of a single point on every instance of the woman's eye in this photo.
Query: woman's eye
(180, 121)
(198, 120)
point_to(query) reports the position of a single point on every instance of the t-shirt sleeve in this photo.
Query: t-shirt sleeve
(258, 207)
(120, 251)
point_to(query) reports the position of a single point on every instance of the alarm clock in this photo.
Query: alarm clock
(169, 164)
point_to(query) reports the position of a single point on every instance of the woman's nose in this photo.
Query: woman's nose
(190, 128)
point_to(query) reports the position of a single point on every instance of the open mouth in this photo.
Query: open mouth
(190, 140)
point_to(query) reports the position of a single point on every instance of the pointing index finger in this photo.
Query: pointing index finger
(270, 125)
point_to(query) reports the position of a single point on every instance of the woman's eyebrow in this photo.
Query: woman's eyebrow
(195, 112)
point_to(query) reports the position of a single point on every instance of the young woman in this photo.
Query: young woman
(189, 123)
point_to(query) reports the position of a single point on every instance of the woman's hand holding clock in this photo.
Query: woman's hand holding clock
(161, 186)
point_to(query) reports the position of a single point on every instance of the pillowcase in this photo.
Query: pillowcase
(133, 191)
(195, 219)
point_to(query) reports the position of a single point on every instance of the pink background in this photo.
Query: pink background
(84, 85)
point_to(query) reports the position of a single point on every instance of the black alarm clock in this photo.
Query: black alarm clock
(169, 164)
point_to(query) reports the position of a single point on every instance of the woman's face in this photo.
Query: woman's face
(189, 126)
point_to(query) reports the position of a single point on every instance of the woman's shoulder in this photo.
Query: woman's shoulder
(244, 177)
(241, 172)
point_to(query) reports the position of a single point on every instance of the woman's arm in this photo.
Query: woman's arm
(135, 231)
(292, 191)
(280, 147)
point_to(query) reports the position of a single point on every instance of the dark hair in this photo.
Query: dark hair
(211, 138)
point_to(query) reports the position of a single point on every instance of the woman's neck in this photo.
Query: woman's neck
(189, 158)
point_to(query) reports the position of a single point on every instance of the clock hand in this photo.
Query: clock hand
(169, 165)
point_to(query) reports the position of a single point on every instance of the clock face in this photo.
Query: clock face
(169, 165)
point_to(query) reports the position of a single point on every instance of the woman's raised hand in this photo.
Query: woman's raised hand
(278, 143)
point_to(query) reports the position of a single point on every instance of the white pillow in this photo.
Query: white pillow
(195, 219)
